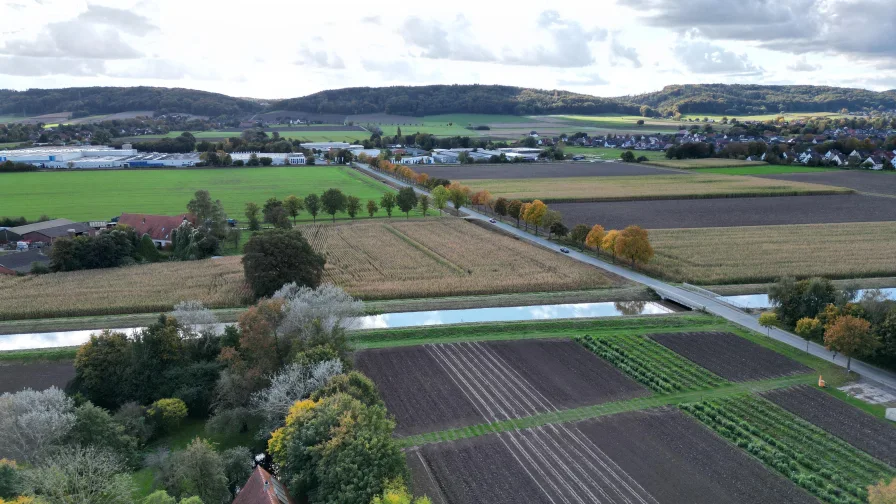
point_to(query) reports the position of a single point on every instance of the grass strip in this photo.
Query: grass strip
(598, 410)
(39, 354)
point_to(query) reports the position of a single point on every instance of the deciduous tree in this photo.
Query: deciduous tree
(550, 218)
(82, 474)
(609, 243)
(209, 213)
(196, 471)
(579, 234)
(768, 320)
(293, 206)
(387, 202)
(595, 237)
(524, 212)
(372, 208)
(534, 214)
(32, 422)
(440, 197)
(423, 202)
(809, 329)
(406, 200)
(312, 205)
(352, 206)
(252, 211)
(634, 244)
(279, 257)
(333, 201)
(501, 206)
(459, 195)
(850, 336)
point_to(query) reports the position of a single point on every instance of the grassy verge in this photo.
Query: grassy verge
(762, 288)
(39, 354)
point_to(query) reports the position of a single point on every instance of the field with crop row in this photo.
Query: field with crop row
(765, 253)
(218, 283)
(656, 367)
(705, 163)
(441, 257)
(822, 464)
(542, 170)
(877, 182)
(588, 189)
(769, 170)
(100, 195)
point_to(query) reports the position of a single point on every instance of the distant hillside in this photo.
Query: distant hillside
(445, 99)
(749, 98)
(109, 100)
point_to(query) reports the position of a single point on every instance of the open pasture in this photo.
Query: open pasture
(607, 154)
(624, 122)
(646, 457)
(540, 170)
(441, 257)
(705, 163)
(218, 283)
(876, 182)
(865, 432)
(445, 386)
(727, 212)
(765, 253)
(730, 356)
(671, 186)
(101, 195)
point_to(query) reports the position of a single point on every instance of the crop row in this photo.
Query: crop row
(649, 363)
(822, 464)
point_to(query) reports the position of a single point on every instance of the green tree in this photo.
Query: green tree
(103, 367)
(11, 483)
(406, 200)
(440, 197)
(312, 205)
(197, 470)
(280, 257)
(75, 474)
(266, 161)
(94, 426)
(558, 229)
(293, 206)
(167, 414)
(423, 202)
(768, 320)
(578, 235)
(628, 157)
(252, 211)
(387, 203)
(352, 206)
(515, 210)
(396, 492)
(276, 214)
(333, 201)
(147, 249)
(353, 384)
(501, 206)
(209, 213)
(459, 195)
(372, 208)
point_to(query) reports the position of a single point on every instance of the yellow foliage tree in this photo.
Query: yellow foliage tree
(18, 500)
(396, 492)
(807, 328)
(524, 210)
(633, 244)
(609, 242)
(882, 493)
(595, 237)
(535, 213)
(298, 411)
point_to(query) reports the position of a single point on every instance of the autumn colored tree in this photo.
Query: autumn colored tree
(440, 197)
(293, 206)
(768, 320)
(809, 329)
(579, 234)
(882, 493)
(850, 336)
(501, 206)
(633, 244)
(514, 210)
(422, 179)
(595, 237)
(482, 198)
(524, 211)
(459, 195)
(609, 243)
(372, 208)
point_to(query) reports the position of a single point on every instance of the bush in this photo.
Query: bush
(279, 257)
(79, 474)
(39, 268)
(11, 483)
(132, 417)
(94, 426)
(167, 414)
(196, 471)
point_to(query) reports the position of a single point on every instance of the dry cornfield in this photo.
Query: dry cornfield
(218, 283)
(570, 189)
(440, 257)
(766, 253)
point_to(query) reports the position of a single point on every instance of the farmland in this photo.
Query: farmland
(469, 383)
(579, 189)
(540, 170)
(625, 122)
(729, 356)
(767, 170)
(611, 154)
(861, 180)
(854, 426)
(728, 212)
(218, 283)
(705, 163)
(441, 257)
(15, 376)
(765, 253)
(100, 195)
(307, 134)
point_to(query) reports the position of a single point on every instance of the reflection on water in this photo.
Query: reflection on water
(761, 300)
(393, 320)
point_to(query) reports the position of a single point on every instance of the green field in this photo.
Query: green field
(306, 136)
(762, 170)
(613, 121)
(602, 153)
(99, 195)
(765, 117)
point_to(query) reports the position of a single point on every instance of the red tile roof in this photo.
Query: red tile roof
(262, 488)
(158, 227)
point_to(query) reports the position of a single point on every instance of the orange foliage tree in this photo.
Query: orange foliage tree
(535, 213)
(633, 244)
(850, 336)
(609, 242)
(595, 237)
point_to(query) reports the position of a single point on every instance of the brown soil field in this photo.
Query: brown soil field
(752, 254)
(867, 433)
(447, 386)
(730, 356)
(657, 187)
(541, 170)
(725, 212)
(860, 180)
(705, 163)
(218, 283)
(300, 129)
(440, 257)
(15, 376)
(641, 457)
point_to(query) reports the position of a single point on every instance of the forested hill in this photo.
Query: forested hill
(750, 99)
(88, 101)
(444, 99)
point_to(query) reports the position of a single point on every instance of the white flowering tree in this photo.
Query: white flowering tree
(328, 307)
(292, 383)
(82, 474)
(195, 316)
(32, 422)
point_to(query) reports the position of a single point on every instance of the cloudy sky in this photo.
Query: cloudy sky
(275, 49)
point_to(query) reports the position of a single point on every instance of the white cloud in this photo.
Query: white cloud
(702, 57)
(801, 65)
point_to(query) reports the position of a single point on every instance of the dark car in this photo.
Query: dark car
(564, 250)
(492, 221)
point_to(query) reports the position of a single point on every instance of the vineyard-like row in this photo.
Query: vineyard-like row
(650, 363)
(824, 465)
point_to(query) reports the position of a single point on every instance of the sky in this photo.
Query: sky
(280, 49)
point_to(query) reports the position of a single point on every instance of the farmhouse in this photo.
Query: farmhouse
(262, 488)
(16, 233)
(158, 227)
(20, 262)
(50, 234)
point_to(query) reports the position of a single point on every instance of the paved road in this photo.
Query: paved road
(694, 299)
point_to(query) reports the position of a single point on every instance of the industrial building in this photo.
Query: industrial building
(279, 158)
(95, 156)
(330, 145)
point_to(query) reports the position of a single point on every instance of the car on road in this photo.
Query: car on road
(492, 221)
(564, 250)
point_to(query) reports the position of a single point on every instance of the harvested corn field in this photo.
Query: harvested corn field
(218, 283)
(444, 257)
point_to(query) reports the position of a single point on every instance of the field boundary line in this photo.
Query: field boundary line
(426, 250)
(604, 409)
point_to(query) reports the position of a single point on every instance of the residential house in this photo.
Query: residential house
(51, 234)
(263, 488)
(874, 162)
(158, 227)
(20, 262)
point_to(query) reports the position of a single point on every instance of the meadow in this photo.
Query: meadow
(611, 154)
(764, 117)
(440, 257)
(628, 122)
(587, 189)
(100, 195)
(704, 163)
(765, 253)
(218, 283)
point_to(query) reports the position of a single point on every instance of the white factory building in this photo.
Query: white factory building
(330, 145)
(102, 157)
(279, 158)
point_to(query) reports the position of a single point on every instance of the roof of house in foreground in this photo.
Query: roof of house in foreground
(158, 227)
(21, 261)
(262, 488)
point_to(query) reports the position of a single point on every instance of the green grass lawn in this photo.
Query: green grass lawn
(98, 195)
(602, 153)
(763, 170)
(614, 121)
